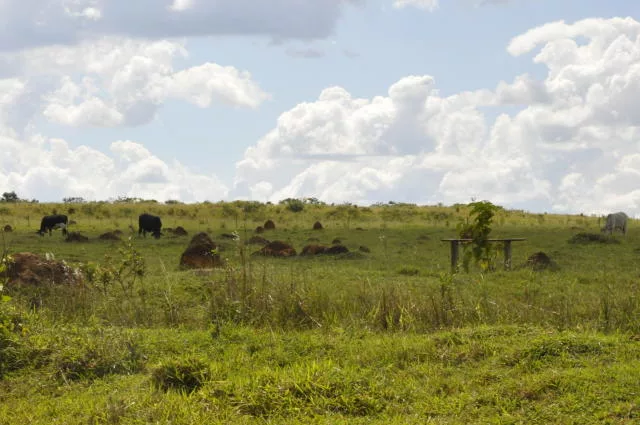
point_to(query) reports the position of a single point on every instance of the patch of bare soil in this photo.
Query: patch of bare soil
(277, 249)
(26, 268)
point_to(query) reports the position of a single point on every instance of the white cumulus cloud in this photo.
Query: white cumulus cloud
(570, 146)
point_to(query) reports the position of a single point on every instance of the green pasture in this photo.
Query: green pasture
(383, 334)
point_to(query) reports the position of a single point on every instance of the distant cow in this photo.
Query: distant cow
(51, 222)
(616, 221)
(149, 223)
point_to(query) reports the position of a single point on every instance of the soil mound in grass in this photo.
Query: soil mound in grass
(26, 268)
(7, 228)
(315, 249)
(259, 229)
(109, 236)
(277, 249)
(180, 231)
(76, 237)
(585, 238)
(337, 249)
(364, 248)
(317, 226)
(200, 254)
(228, 236)
(539, 261)
(269, 225)
(336, 241)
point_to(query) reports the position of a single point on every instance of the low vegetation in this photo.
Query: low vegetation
(385, 334)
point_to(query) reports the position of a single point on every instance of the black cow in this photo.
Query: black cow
(149, 223)
(51, 222)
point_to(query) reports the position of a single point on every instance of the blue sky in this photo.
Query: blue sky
(249, 145)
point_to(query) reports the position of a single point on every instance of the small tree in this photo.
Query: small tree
(10, 197)
(293, 204)
(478, 231)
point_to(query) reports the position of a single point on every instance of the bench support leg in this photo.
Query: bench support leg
(454, 256)
(507, 255)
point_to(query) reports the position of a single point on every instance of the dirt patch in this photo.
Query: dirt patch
(7, 228)
(585, 238)
(26, 268)
(317, 226)
(76, 237)
(259, 229)
(200, 254)
(180, 231)
(277, 249)
(360, 229)
(269, 225)
(539, 261)
(109, 236)
(364, 249)
(337, 249)
(257, 240)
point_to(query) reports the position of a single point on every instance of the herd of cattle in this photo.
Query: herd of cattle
(147, 223)
(152, 224)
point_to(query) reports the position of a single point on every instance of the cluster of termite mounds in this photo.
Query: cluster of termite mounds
(203, 252)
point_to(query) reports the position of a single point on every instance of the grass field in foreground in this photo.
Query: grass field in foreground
(386, 336)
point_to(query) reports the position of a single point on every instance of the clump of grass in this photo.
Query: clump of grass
(313, 388)
(87, 354)
(409, 271)
(185, 374)
(562, 347)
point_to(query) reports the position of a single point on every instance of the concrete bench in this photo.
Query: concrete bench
(455, 252)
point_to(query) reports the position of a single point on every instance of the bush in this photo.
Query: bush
(293, 205)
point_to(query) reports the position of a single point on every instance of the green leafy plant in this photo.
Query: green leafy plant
(129, 270)
(477, 227)
(9, 358)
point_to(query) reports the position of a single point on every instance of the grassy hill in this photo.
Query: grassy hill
(382, 334)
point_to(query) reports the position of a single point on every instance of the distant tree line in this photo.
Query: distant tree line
(12, 197)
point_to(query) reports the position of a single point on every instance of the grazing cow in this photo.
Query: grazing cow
(52, 222)
(616, 221)
(149, 223)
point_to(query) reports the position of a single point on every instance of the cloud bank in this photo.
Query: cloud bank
(33, 23)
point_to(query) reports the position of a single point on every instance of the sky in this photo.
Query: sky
(530, 104)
